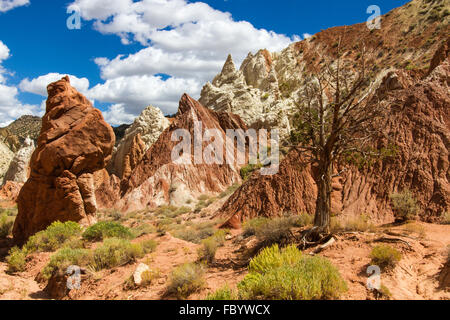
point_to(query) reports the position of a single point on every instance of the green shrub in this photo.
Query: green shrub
(149, 245)
(143, 229)
(16, 260)
(405, 206)
(252, 225)
(186, 280)
(116, 252)
(195, 233)
(224, 293)
(384, 256)
(247, 170)
(207, 252)
(64, 258)
(6, 224)
(54, 237)
(203, 197)
(275, 231)
(288, 275)
(107, 229)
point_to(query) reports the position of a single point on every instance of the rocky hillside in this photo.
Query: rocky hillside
(144, 131)
(157, 180)
(410, 66)
(265, 89)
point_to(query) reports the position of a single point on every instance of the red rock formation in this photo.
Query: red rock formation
(158, 180)
(133, 156)
(10, 191)
(418, 122)
(74, 142)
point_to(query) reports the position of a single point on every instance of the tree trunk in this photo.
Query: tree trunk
(323, 203)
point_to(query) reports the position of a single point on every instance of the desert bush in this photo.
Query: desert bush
(186, 280)
(405, 206)
(64, 258)
(54, 237)
(107, 229)
(252, 225)
(385, 292)
(116, 252)
(224, 293)
(275, 231)
(302, 220)
(384, 256)
(359, 223)
(143, 229)
(247, 170)
(286, 274)
(195, 233)
(6, 224)
(207, 252)
(149, 245)
(16, 260)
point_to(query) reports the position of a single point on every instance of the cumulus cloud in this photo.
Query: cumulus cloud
(39, 85)
(136, 92)
(6, 5)
(187, 41)
(10, 106)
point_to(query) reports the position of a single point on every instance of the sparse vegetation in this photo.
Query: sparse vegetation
(195, 233)
(64, 258)
(252, 225)
(359, 223)
(54, 237)
(224, 293)
(107, 229)
(16, 260)
(248, 169)
(207, 252)
(6, 224)
(384, 256)
(286, 274)
(229, 191)
(116, 252)
(186, 280)
(404, 205)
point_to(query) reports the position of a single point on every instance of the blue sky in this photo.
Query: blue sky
(138, 41)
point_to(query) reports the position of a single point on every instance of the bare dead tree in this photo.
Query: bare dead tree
(335, 118)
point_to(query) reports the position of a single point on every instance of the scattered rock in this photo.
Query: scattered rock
(137, 275)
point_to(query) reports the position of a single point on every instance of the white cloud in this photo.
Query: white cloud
(307, 35)
(189, 41)
(10, 106)
(116, 115)
(6, 5)
(39, 85)
(136, 92)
